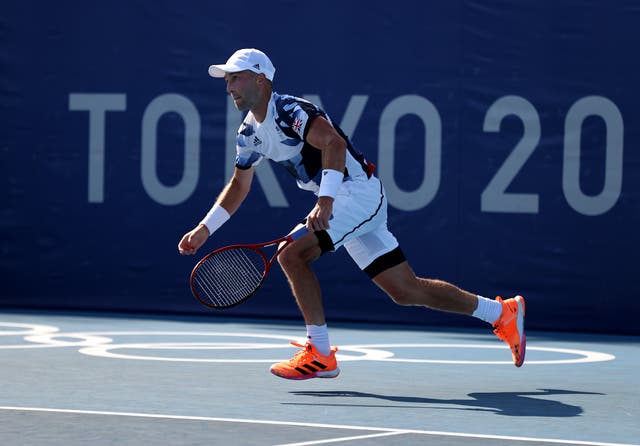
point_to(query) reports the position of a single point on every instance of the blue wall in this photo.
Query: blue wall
(507, 135)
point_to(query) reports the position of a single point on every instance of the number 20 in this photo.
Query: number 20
(494, 198)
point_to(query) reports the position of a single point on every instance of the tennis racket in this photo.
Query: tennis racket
(228, 276)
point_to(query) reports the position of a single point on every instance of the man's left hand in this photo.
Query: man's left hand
(318, 218)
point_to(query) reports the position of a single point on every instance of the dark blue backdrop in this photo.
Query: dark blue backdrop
(507, 135)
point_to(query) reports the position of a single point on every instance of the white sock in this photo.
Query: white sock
(488, 310)
(318, 335)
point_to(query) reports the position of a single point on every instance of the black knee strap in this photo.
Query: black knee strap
(324, 241)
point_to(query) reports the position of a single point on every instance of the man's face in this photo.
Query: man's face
(243, 89)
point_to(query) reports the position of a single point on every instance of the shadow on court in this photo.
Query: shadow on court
(513, 404)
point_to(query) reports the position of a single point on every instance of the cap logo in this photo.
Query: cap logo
(257, 66)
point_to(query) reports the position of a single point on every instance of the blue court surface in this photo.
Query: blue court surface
(80, 379)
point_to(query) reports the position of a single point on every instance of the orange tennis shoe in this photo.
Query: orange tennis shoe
(510, 327)
(308, 363)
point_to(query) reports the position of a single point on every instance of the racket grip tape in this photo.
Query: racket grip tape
(295, 235)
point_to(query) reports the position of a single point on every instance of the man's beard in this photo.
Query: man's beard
(242, 105)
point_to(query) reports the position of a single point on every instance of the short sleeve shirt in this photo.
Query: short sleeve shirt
(281, 137)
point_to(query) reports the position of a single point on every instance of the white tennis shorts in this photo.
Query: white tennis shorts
(359, 221)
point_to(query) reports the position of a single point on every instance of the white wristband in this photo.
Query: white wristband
(330, 182)
(215, 218)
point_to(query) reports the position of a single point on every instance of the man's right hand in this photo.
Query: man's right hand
(193, 240)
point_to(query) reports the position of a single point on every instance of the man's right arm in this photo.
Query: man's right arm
(230, 199)
(236, 190)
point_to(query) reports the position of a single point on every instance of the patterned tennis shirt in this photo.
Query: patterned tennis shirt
(281, 137)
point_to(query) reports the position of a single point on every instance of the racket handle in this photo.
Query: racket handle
(295, 235)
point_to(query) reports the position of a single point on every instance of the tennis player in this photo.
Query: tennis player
(350, 210)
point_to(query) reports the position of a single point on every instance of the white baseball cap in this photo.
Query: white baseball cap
(245, 59)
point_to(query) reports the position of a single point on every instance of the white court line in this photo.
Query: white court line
(587, 356)
(352, 438)
(106, 351)
(100, 344)
(26, 329)
(318, 425)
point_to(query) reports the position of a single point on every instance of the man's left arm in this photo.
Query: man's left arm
(322, 135)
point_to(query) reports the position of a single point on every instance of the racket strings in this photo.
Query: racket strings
(228, 277)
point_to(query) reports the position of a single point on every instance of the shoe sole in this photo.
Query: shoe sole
(523, 349)
(520, 327)
(329, 374)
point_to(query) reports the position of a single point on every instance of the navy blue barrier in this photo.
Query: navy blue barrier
(507, 136)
